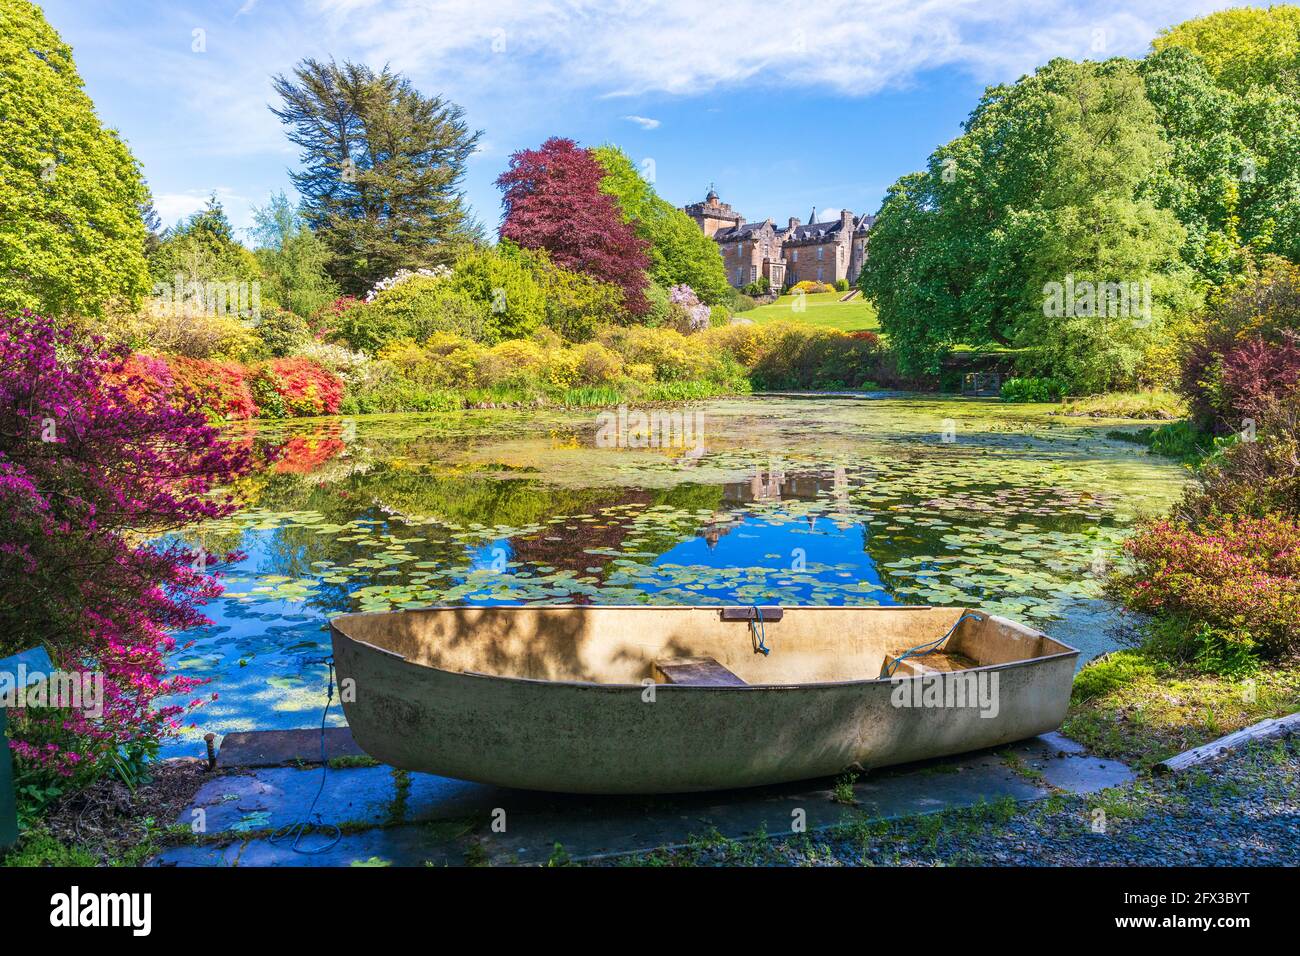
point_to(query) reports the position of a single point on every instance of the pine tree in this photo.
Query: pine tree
(382, 166)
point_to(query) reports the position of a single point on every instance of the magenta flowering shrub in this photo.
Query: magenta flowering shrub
(94, 466)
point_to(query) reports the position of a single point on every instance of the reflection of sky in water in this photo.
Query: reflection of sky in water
(863, 506)
(840, 552)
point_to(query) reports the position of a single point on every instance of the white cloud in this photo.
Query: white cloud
(173, 207)
(177, 206)
(644, 122)
(683, 47)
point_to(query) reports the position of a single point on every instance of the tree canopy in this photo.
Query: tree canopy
(679, 252)
(382, 167)
(1050, 180)
(72, 235)
(552, 200)
(292, 257)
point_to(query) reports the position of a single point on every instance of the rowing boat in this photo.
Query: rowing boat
(653, 699)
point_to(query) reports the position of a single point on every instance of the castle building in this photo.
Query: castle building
(819, 251)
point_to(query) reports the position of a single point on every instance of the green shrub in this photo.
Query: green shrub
(841, 285)
(505, 280)
(282, 333)
(1030, 389)
(738, 301)
(414, 309)
(577, 304)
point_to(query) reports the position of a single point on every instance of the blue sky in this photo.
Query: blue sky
(783, 105)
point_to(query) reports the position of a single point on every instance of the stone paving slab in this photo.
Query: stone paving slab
(272, 748)
(417, 819)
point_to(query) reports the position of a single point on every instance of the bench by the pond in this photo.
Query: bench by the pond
(981, 383)
(16, 673)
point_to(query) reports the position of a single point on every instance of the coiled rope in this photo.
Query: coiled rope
(758, 632)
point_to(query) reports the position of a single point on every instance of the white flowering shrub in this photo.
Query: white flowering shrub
(401, 275)
(353, 367)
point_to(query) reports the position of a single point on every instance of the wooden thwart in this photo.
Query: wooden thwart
(1218, 749)
(696, 671)
(933, 663)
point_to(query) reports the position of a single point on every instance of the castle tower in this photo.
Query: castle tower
(712, 214)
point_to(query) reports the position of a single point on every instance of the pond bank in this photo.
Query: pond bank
(1242, 812)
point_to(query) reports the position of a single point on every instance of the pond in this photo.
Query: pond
(881, 499)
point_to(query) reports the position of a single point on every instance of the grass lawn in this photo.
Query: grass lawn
(822, 309)
(1141, 710)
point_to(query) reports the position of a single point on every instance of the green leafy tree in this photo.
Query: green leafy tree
(679, 251)
(293, 259)
(1243, 48)
(382, 167)
(1052, 179)
(1235, 175)
(72, 236)
(202, 249)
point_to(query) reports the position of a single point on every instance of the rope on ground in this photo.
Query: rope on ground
(311, 820)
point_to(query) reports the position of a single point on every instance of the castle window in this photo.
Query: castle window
(819, 257)
(796, 256)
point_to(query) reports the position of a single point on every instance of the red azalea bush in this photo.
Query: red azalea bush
(95, 465)
(219, 389)
(1239, 576)
(296, 387)
(226, 391)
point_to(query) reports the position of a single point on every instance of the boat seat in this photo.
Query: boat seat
(933, 663)
(696, 671)
(907, 667)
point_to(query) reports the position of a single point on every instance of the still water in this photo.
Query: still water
(876, 500)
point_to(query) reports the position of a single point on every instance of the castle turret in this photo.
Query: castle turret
(713, 214)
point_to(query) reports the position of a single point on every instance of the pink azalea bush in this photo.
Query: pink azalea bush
(95, 466)
(1237, 575)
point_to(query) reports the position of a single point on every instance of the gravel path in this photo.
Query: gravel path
(1244, 811)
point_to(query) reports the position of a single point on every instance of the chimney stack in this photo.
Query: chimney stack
(794, 222)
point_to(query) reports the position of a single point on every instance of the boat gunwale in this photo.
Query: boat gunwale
(334, 628)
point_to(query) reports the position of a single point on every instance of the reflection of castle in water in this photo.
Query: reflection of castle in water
(775, 485)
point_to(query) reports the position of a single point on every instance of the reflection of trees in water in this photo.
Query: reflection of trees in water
(415, 504)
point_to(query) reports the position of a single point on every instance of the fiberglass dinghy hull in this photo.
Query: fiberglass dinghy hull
(678, 699)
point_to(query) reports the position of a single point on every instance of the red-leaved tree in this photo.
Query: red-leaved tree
(553, 201)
